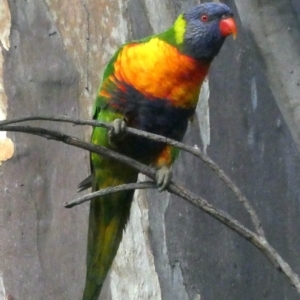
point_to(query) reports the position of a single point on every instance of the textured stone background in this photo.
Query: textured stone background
(53, 53)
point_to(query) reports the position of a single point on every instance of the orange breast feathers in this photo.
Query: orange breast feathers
(159, 70)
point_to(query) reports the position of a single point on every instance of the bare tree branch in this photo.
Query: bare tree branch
(196, 152)
(258, 241)
(111, 190)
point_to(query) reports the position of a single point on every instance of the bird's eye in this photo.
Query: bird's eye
(204, 18)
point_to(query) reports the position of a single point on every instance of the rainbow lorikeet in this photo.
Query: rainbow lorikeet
(152, 84)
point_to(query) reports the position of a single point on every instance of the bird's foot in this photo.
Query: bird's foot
(163, 178)
(117, 132)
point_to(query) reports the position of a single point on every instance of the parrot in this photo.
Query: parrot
(152, 84)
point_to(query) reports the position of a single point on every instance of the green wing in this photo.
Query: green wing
(100, 102)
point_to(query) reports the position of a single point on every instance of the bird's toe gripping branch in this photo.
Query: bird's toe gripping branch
(163, 178)
(117, 131)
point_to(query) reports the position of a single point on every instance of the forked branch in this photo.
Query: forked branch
(196, 152)
(257, 239)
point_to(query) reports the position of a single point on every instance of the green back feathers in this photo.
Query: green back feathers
(175, 34)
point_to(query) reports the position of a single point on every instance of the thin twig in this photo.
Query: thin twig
(258, 241)
(111, 190)
(74, 141)
(196, 152)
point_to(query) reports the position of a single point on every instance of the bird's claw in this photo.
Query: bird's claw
(117, 132)
(163, 178)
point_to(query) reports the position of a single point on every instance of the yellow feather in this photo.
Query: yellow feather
(179, 28)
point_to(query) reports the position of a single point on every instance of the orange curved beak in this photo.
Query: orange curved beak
(228, 27)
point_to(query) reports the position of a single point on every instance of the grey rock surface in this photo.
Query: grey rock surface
(42, 245)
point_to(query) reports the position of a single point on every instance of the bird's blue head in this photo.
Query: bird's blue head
(206, 27)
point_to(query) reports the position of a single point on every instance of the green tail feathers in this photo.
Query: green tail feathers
(107, 221)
